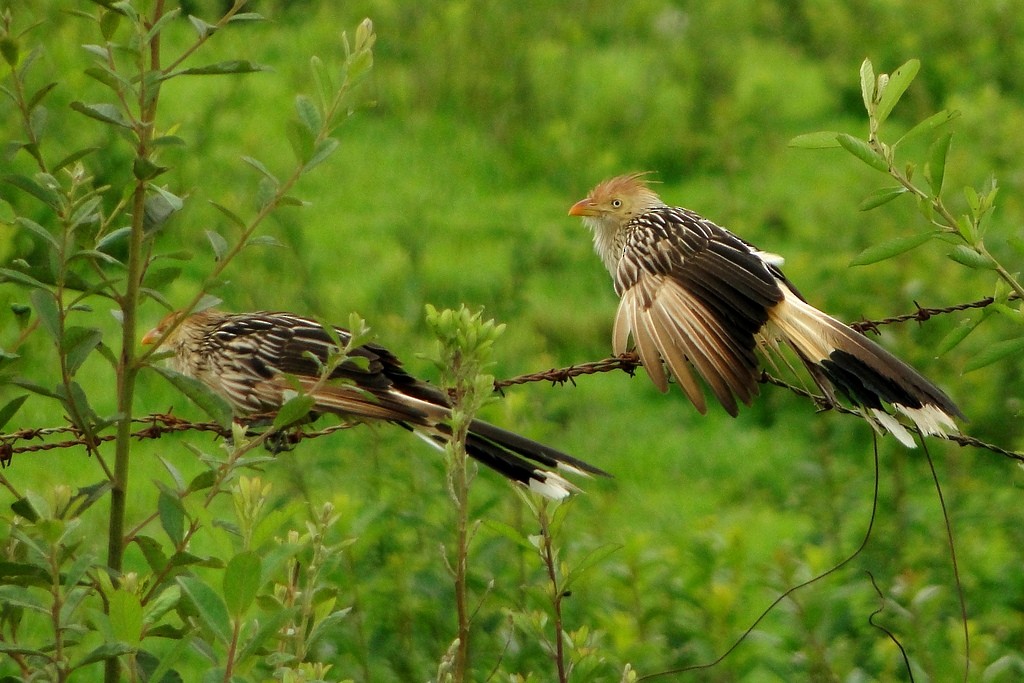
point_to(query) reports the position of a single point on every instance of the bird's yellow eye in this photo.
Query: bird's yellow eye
(616, 203)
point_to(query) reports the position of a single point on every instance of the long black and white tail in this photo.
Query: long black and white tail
(538, 467)
(531, 463)
(839, 357)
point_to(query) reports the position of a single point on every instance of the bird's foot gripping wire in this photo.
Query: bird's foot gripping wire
(279, 441)
(283, 441)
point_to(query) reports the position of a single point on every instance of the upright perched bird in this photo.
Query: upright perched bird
(252, 360)
(694, 295)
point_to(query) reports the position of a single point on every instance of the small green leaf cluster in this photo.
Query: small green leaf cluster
(464, 351)
(576, 653)
(259, 607)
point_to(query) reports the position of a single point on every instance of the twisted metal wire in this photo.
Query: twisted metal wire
(156, 425)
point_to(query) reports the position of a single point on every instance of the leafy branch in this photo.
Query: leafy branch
(966, 232)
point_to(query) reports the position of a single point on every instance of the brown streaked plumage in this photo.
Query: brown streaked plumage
(251, 360)
(694, 296)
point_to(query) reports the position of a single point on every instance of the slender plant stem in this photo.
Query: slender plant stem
(460, 491)
(127, 369)
(557, 593)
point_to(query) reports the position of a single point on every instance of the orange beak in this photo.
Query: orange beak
(584, 207)
(151, 336)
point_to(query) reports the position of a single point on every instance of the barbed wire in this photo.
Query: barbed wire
(156, 425)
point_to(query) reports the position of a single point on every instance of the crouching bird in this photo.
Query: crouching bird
(253, 360)
(695, 296)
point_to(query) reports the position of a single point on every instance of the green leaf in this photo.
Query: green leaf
(73, 157)
(822, 139)
(213, 615)
(16, 577)
(9, 50)
(935, 169)
(14, 649)
(247, 16)
(309, 115)
(509, 532)
(87, 496)
(242, 579)
(74, 398)
(172, 517)
(219, 244)
(10, 408)
(956, 335)
(966, 256)
(929, 124)
(323, 150)
(153, 552)
(184, 559)
(37, 124)
(104, 652)
(159, 278)
(291, 200)
(965, 226)
(169, 141)
(862, 150)
(78, 343)
(38, 230)
(209, 402)
(71, 577)
(176, 203)
(323, 626)
(108, 24)
(301, 141)
(115, 239)
(258, 165)
(24, 508)
(46, 308)
(179, 481)
(231, 215)
(294, 409)
(201, 481)
(22, 278)
(233, 66)
(264, 241)
(324, 81)
(125, 612)
(889, 248)
(899, 81)
(161, 670)
(106, 76)
(107, 113)
(38, 96)
(269, 626)
(995, 352)
(881, 196)
(867, 85)
(7, 213)
(145, 169)
(203, 28)
(32, 187)
(164, 19)
(35, 388)
(266, 192)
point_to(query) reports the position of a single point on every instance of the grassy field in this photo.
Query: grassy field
(476, 131)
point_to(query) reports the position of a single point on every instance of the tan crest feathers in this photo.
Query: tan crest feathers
(628, 185)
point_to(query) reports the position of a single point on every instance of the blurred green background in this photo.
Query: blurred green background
(485, 122)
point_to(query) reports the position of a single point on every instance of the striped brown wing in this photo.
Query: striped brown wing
(266, 347)
(693, 294)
